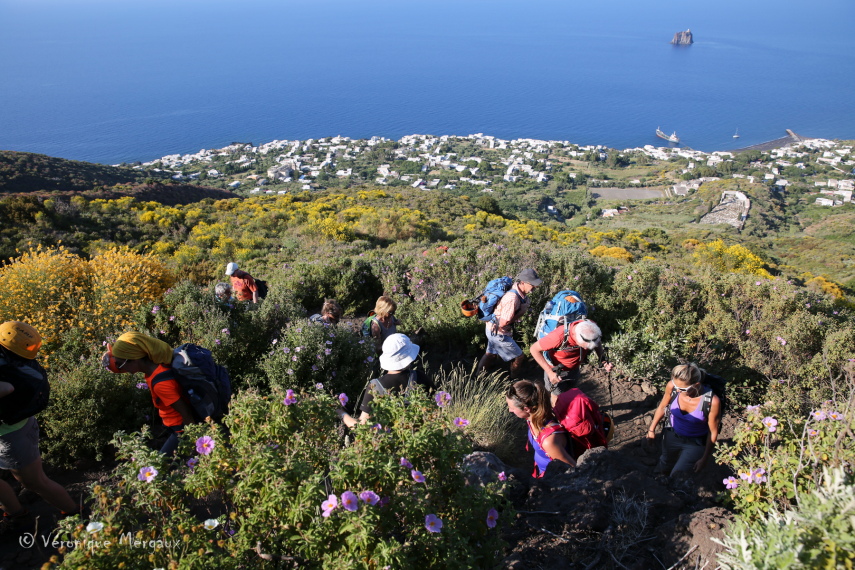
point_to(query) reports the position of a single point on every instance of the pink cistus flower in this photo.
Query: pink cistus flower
(349, 501)
(731, 482)
(205, 445)
(460, 422)
(343, 399)
(819, 415)
(405, 463)
(813, 433)
(492, 517)
(147, 474)
(836, 416)
(329, 505)
(369, 497)
(770, 423)
(290, 398)
(417, 476)
(191, 463)
(433, 523)
(502, 476)
(442, 399)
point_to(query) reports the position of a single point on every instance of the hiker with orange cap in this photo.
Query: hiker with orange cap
(24, 391)
(135, 352)
(243, 284)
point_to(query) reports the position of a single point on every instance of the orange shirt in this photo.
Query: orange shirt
(163, 395)
(243, 285)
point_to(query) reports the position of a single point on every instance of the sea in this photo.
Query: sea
(114, 81)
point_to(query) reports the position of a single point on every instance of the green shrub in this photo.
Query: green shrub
(818, 533)
(307, 354)
(263, 487)
(87, 406)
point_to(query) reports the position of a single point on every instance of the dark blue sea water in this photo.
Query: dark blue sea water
(126, 80)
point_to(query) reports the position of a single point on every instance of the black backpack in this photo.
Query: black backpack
(713, 384)
(206, 383)
(261, 288)
(32, 390)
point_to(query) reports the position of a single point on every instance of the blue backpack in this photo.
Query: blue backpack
(207, 383)
(488, 300)
(563, 309)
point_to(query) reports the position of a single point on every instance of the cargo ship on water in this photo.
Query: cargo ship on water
(670, 138)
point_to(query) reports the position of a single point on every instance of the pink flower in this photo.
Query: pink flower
(770, 423)
(225, 331)
(290, 398)
(191, 463)
(327, 351)
(433, 523)
(731, 482)
(369, 497)
(492, 517)
(417, 476)
(836, 416)
(819, 415)
(752, 409)
(442, 399)
(405, 463)
(147, 474)
(349, 501)
(502, 476)
(142, 386)
(813, 433)
(329, 505)
(460, 422)
(343, 399)
(205, 445)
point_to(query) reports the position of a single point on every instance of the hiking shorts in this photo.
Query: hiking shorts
(20, 447)
(503, 345)
(680, 453)
(568, 377)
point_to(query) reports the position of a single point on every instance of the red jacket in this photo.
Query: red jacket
(581, 417)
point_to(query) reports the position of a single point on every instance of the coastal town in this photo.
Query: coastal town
(821, 171)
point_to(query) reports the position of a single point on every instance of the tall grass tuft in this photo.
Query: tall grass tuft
(481, 400)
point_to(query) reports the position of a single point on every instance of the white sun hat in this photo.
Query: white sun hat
(398, 352)
(231, 268)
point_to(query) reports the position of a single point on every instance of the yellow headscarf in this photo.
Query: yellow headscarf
(134, 345)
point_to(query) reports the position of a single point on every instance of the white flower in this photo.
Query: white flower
(94, 526)
(211, 524)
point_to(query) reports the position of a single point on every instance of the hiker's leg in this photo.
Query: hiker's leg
(8, 499)
(517, 366)
(690, 453)
(670, 451)
(33, 477)
(171, 443)
(487, 362)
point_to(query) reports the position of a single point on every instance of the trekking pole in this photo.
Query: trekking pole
(611, 401)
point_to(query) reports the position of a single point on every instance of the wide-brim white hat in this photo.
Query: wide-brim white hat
(398, 352)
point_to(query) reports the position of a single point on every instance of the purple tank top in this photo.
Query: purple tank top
(541, 459)
(693, 424)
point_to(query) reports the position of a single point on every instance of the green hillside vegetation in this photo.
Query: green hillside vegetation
(664, 291)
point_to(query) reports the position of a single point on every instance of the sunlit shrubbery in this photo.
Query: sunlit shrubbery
(735, 258)
(783, 450)
(280, 490)
(819, 532)
(303, 355)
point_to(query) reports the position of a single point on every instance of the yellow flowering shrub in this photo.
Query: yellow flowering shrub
(734, 258)
(613, 252)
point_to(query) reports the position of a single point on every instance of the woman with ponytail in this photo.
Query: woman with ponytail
(530, 401)
(135, 352)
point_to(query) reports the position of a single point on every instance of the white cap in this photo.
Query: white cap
(398, 352)
(231, 268)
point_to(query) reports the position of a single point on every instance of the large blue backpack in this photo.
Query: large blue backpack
(562, 310)
(488, 300)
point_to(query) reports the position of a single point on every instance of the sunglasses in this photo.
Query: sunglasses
(686, 389)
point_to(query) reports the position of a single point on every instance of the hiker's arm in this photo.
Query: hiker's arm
(350, 421)
(601, 354)
(6, 389)
(255, 296)
(712, 421)
(377, 336)
(660, 411)
(183, 408)
(537, 353)
(555, 447)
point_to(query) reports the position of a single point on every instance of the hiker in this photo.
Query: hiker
(382, 323)
(397, 358)
(135, 352)
(510, 309)
(692, 413)
(243, 284)
(529, 401)
(583, 336)
(223, 296)
(587, 427)
(19, 437)
(330, 313)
